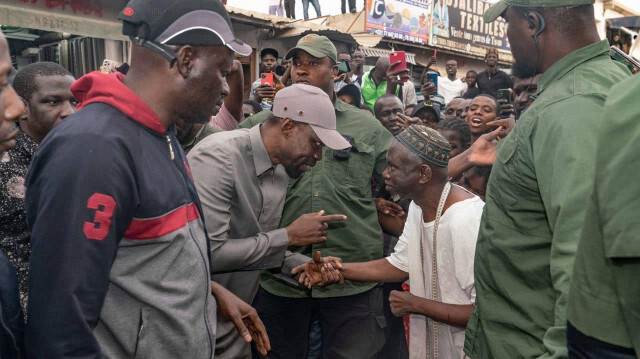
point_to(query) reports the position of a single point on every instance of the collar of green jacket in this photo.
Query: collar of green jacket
(340, 105)
(571, 61)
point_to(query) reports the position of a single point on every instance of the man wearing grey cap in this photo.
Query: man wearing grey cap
(541, 182)
(119, 262)
(352, 318)
(242, 177)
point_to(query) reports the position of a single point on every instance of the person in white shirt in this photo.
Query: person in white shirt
(451, 87)
(443, 219)
(275, 7)
(357, 68)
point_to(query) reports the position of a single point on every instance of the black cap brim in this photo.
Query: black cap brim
(202, 28)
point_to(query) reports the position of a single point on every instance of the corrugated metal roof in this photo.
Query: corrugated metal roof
(374, 52)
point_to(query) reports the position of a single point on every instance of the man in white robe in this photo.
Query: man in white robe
(417, 170)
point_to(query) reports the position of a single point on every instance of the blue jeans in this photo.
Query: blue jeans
(584, 347)
(305, 8)
(315, 340)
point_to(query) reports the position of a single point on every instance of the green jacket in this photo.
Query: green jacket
(204, 132)
(604, 301)
(371, 91)
(338, 187)
(535, 209)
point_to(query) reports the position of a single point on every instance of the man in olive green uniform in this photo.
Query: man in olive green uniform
(541, 180)
(351, 315)
(604, 301)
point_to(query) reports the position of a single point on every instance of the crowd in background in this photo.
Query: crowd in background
(288, 7)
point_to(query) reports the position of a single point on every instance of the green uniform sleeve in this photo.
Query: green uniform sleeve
(618, 166)
(564, 147)
(383, 141)
(260, 117)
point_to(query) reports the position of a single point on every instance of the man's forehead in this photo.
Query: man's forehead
(54, 81)
(395, 148)
(454, 102)
(391, 102)
(483, 101)
(398, 154)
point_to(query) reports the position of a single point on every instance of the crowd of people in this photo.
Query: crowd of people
(155, 212)
(288, 7)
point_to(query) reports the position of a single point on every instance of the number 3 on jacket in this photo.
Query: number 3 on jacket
(99, 228)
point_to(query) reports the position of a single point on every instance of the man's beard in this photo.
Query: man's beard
(518, 111)
(197, 119)
(523, 71)
(292, 172)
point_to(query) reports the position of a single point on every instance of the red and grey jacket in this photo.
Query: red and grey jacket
(119, 261)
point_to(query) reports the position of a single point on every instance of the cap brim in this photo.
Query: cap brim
(330, 138)
(313, 52)
(417, 109)
(433, 109)
(211, 27)
(495, 11)
(240, 48)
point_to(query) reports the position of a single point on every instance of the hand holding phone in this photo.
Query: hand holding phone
(266, 90)
(433, 78)
(398, 71)
(398, 56)
(267, 78)
(108, 66)
(505, 102)
(343, 67)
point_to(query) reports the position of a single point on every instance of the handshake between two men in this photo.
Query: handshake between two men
(324, 271)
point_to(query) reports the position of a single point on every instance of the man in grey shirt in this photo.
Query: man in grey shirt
(241, 177)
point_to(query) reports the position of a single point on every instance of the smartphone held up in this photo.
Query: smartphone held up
(267, 78)
(399, 58)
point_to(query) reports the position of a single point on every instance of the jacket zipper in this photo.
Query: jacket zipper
(208, 286)
(173, 156)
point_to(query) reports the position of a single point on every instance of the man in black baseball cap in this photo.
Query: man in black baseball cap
(120, 264)
(428, 113)
(268, 63)
(156, 24)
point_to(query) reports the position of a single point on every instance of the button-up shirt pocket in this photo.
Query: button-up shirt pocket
(357, 170)
(503, 171)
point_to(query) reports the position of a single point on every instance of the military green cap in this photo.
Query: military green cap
(497, 9)
(315, 45)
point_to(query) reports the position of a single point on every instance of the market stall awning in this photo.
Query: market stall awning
(626, 21)
(34, 16)
(373, 52)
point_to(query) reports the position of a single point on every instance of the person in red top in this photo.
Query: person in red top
(120, 260)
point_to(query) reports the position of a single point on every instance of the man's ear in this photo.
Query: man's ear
(425, 174)
(334, 71)
(27, 112)
(287, 127)
(185, 60)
